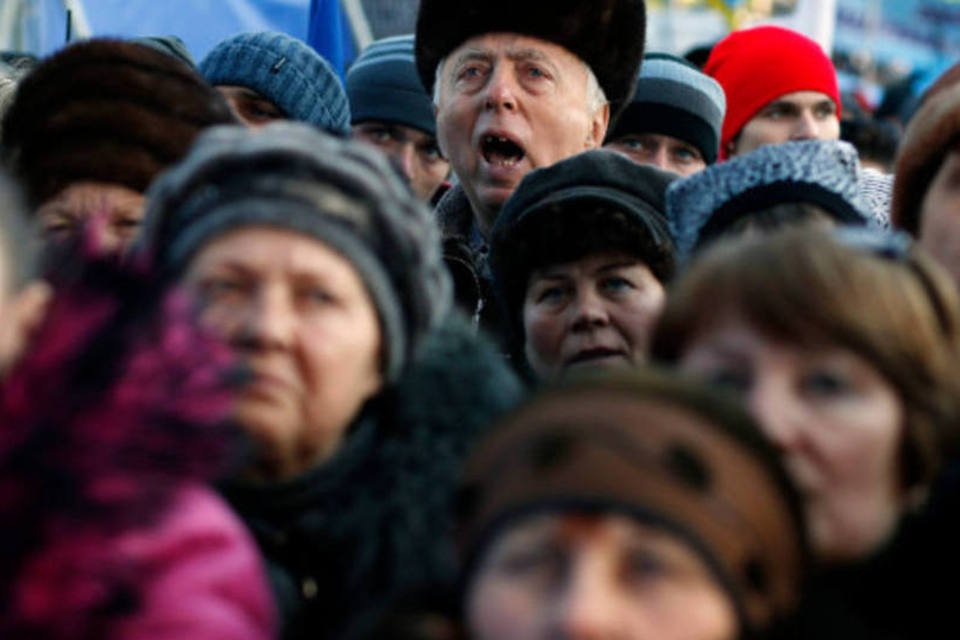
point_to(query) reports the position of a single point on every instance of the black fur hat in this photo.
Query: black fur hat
(606, 34)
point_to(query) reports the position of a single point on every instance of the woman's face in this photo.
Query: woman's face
(301, 319)
(594, 312)
(109, 215)
(565, 575)
(837, 420)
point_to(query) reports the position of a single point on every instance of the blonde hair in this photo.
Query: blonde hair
(802, 286)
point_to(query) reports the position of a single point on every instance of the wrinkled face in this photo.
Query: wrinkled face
(507, 104)
(251, 108)
(565, 575)
(299, 316)
(415, 152)
(939, 231)
(595, 312)
(801, 115)
(666, 152)
(838, 421)
(107, 214)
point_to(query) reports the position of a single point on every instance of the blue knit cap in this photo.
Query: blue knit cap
(285, 71)
(674, 98)
(383, 85)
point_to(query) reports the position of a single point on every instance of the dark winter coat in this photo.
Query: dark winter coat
(905, 591)
(465, 254)
(346, 538)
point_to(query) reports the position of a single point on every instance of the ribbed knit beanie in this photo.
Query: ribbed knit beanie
(383, 85)
(105, 111)
(285, 71)
(758, 65)
(932, 131)
(292, 176)
(825, 173)
(674, 98)
(662, 451)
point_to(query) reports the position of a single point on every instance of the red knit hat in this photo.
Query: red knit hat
(756, 66)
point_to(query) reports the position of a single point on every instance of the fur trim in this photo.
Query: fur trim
(374, 521)
(105, 418)
(106, 111)
(931, 132)
(606, 34)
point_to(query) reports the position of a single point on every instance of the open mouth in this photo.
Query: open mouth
(500, 151)
(595, 355)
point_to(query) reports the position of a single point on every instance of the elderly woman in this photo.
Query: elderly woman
(636, 506)
(92, 125)
(845, 348)
(580, 255)
(321, 270)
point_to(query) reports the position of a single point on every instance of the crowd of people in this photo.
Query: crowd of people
(520, 332)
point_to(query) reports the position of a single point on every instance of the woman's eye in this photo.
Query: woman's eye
(616, 284)
(539, 560)
(642, 566)
(551, 295)
(222, 290)
(732, 379)
(826, 383)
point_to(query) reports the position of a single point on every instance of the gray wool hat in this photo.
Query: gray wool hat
(284, 70)
(825, 173)
(383, 85)
(674, 98)
(291, 176)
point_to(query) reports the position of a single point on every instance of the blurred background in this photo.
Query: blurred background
(885, 50)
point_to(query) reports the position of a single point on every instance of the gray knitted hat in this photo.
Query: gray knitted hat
(291, 176)
(383, 85)
(820, 172)
(674, 98)
(285, 71)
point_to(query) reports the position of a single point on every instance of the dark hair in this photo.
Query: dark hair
(803, 287)
(875, 140)
(768, 220)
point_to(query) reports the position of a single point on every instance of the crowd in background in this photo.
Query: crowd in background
(522, 331)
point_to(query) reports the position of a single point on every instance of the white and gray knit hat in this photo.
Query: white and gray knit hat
(292, 176)
(825, 173)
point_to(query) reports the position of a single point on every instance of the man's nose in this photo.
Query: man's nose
(501, 89)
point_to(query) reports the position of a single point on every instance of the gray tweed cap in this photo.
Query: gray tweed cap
(291, 176)
(284, 70)
(820, 172)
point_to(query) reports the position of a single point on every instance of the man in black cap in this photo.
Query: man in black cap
(517, 88)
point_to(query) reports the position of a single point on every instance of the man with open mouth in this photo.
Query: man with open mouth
(517, 88)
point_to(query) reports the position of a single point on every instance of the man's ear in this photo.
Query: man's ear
(27, 309)
(598, 127)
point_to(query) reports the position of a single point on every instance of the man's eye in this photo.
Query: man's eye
(470, 72)
(825, 110)
(537, 72)
(431, 153)
(685, 155)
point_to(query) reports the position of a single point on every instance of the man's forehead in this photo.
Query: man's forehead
(512, 45)
(803, 98)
